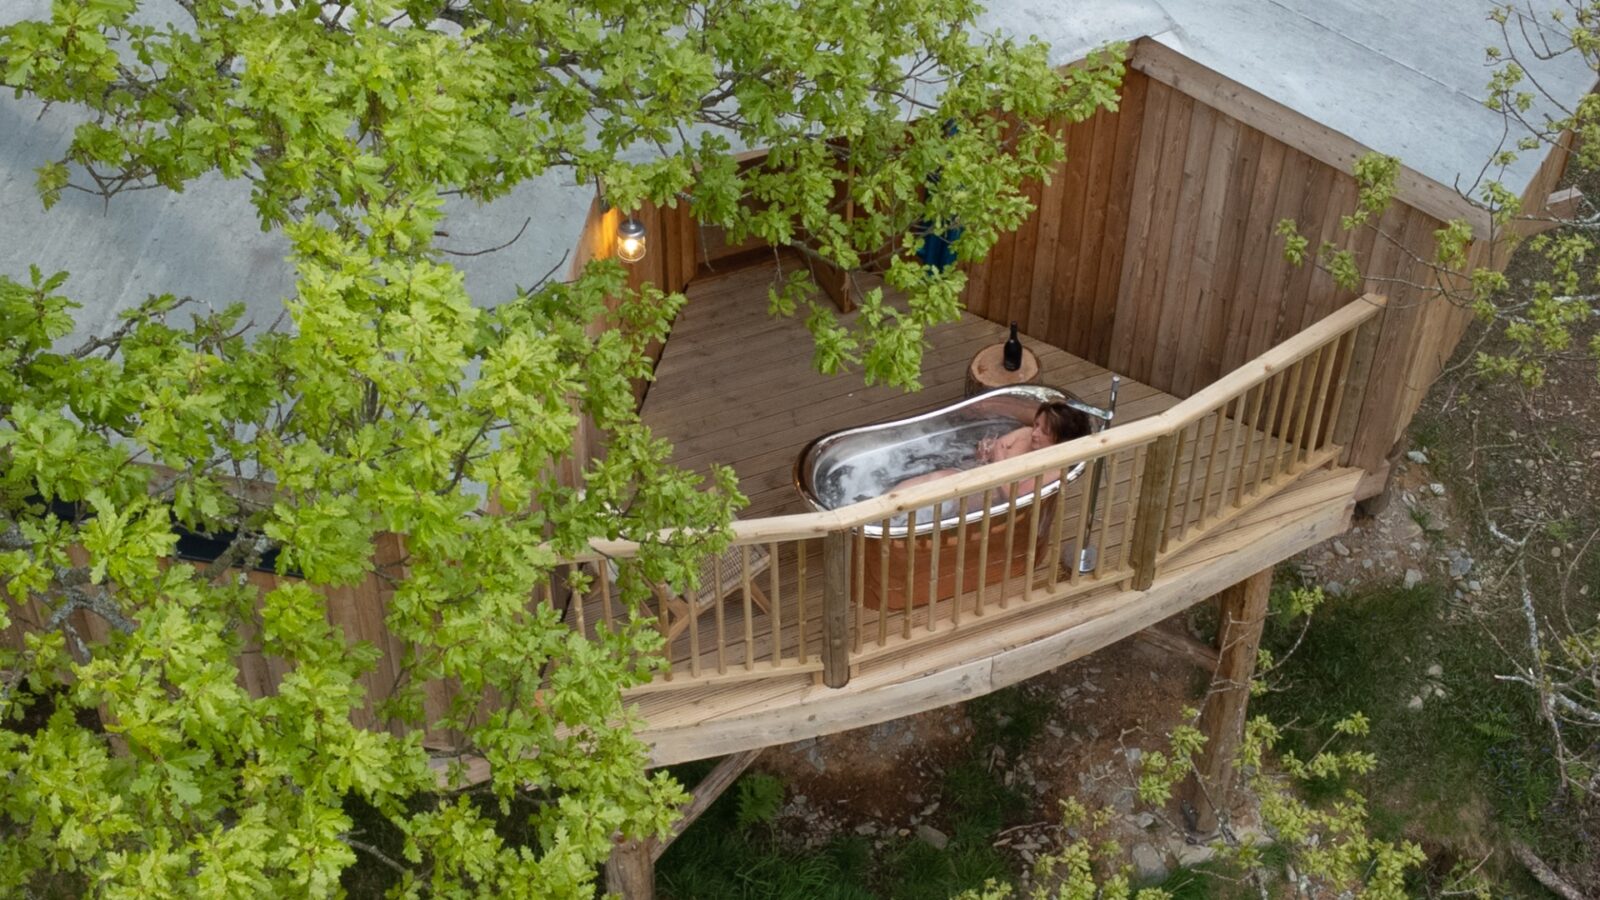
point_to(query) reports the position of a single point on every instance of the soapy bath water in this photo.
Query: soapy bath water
(937, 445)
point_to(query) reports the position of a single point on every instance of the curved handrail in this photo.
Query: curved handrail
(1185, 413)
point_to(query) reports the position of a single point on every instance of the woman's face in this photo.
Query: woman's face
(1040, 437)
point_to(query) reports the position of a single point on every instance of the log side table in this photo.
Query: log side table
(987, 370)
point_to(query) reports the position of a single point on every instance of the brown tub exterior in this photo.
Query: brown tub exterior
(891, 556)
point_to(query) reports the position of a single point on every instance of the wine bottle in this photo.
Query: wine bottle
(1012, 358)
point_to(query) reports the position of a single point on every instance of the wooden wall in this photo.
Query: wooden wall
(1057, 275)
(1153, 251)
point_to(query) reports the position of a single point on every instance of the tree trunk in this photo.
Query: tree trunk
(630, 872)
(1243, 612)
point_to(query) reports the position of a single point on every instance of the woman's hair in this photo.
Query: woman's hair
(1064, 421)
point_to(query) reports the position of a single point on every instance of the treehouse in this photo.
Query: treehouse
(1257, 401)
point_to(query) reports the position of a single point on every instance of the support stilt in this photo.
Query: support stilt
(631, 869)
(631, 872)
(1243, 612)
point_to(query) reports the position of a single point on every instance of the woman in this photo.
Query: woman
(1054, 422)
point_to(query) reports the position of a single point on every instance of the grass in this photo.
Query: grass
(721, 858)
(1462, 773)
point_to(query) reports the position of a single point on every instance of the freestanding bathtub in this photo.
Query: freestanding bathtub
(856, 464)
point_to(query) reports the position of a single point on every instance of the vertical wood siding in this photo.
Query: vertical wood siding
(1153, 253)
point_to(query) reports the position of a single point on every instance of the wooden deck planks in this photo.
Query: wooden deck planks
(756, 410)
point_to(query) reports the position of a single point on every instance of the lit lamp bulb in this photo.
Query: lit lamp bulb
(630, 240)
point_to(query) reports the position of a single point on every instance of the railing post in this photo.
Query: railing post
(1150, 516)
(836, 609)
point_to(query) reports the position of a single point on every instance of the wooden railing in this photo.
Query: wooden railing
(834, 596)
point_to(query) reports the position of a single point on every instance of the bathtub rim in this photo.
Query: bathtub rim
(1099, 419)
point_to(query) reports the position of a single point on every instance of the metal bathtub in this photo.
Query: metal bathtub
(856, 464)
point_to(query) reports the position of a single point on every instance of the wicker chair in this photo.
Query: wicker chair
(726, 569)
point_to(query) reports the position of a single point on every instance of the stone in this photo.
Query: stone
(1418, 457)
(1437, 489)
(1366, 563)
(1338, 547)
(1413, 578)
(1334, 588)
(1149, 863)
(933, 836)
(1134, 754)
(1460, 566)
(1555, 551)
(1415, 702)
(1191, 855)
(867, 829)
(1436, 671)
(814, 757)
(1144, 820)
(1123, 802)
(1475, 586)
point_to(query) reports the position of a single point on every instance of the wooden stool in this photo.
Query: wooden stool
(987, 370)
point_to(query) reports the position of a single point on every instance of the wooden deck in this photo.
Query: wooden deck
(699, 722)
(736, 387)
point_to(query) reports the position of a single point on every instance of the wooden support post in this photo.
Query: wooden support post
(1243, 612)
(1375, 491)
(1150, 516)
(836, 609)
(706, 793)
(631, 868)
(631, 871)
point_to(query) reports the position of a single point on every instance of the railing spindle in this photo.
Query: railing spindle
(1251, 431)
(1285, 423)
(1102, 557)
(775, 602)
(800, 597)
(1194, 479)
(693, 614)
(1324, 387)
(603, 575)
(1033, 534)
(1302, 411)
(961, 559)
(1211, 463)
(1176, 466)
(910, 581)
(883, 596)
(1343, 387)
(576, 602)
(933, 564)
(1266, 431)
(1229, 474)
(1011, 540)
(722, 637)
(749, 610)
(859, 563)
(1081, 531)
(1057, 526)
(983, 557)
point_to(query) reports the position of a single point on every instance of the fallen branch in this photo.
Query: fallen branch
(1546, 875)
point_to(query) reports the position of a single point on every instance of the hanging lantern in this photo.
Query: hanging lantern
(630, 240)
